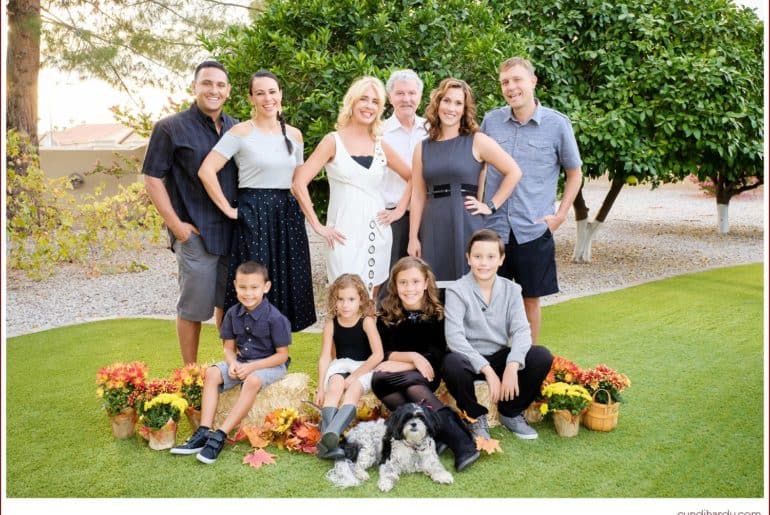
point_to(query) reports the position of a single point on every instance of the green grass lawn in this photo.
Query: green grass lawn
(692, 425)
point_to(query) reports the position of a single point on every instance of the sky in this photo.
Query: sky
(65, 100)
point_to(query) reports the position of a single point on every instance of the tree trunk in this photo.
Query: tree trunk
(586, 231)
(23, 66)
(724, 193)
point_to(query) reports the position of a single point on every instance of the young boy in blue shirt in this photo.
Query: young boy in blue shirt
(256, 337)
(487, 331)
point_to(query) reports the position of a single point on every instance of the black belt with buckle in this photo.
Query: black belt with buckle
(445, 190)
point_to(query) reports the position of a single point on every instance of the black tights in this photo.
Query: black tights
(397, 388)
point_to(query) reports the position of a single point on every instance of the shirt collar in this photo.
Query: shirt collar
(392, 124)
(204, 117)
(537, 116)
(261, 307)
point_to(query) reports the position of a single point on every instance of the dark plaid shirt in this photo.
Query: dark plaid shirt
(178, 145)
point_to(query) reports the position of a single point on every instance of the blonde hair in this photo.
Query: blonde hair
(468, 124)
(348, 281)
(354, 94)
(517, 61)
(392, 309)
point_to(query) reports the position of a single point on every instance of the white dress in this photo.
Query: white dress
(354, 201)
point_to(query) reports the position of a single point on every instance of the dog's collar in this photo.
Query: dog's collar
(418, 446)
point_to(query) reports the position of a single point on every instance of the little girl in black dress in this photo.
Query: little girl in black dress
(351, 349)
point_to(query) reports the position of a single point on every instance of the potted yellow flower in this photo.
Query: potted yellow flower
(566, 402)
(189, 380)
(160, 416)
(114, 385)
(562, 370)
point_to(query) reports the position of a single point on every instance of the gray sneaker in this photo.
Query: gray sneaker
(481, 427)
(519, 426)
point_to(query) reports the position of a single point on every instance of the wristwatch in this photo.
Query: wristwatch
(491, 206)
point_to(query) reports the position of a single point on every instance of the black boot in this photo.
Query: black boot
(330, 439)
(456, 435)
(327, 415)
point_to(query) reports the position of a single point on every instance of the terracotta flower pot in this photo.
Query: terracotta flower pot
(163, 438)
(193, 417)
(567, 424)
(123, 424)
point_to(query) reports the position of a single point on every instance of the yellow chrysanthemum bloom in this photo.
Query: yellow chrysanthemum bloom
(544, 408)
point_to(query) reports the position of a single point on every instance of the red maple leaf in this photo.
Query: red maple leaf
(258, 458)
(308, 433)
(239, 435)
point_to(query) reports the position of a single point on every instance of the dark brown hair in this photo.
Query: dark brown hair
(485, 235)
(252, 267)
(281, 119)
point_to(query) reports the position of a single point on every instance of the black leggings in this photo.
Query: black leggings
(397, 388)
(459, 377)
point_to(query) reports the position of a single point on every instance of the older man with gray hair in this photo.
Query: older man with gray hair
(402, 131)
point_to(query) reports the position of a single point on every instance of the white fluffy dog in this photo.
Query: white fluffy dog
(402, 445)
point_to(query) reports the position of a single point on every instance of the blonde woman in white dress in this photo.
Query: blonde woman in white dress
(357, 228)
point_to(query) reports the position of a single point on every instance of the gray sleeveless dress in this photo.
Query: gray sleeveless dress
(451, 173)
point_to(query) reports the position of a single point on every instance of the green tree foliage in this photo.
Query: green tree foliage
(656, 89)
(318, 48)
(130, 42)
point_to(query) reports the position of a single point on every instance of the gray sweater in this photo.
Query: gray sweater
(478, 329)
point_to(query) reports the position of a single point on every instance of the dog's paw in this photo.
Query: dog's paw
(444, 477)
(385, 485)
(361, 475)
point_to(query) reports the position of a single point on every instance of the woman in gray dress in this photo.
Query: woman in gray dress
(271, 227)
(446, 168)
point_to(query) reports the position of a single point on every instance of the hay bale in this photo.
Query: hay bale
(482, 396)
(288, 392)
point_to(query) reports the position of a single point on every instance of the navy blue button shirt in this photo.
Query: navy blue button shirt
(256, 334)
(178, 145)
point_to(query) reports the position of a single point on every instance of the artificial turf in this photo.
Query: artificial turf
(692, 425)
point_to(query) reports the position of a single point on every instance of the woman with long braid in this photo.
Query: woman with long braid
(271, 227)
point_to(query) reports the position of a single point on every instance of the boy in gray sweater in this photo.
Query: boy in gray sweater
(488, 333)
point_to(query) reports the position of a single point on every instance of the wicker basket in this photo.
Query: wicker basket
(566, 423)
(601, 417)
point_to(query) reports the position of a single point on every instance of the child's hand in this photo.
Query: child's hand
(509, 388)
(423, 366)
(349, 381)
(319, 396)
(232, 370)
(244, 370)
(493, 382)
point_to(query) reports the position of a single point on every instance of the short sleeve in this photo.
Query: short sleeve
(280, 330)
(160, 152)
(299, 152)
(229, 144)
(569, 155)
(226, 332)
